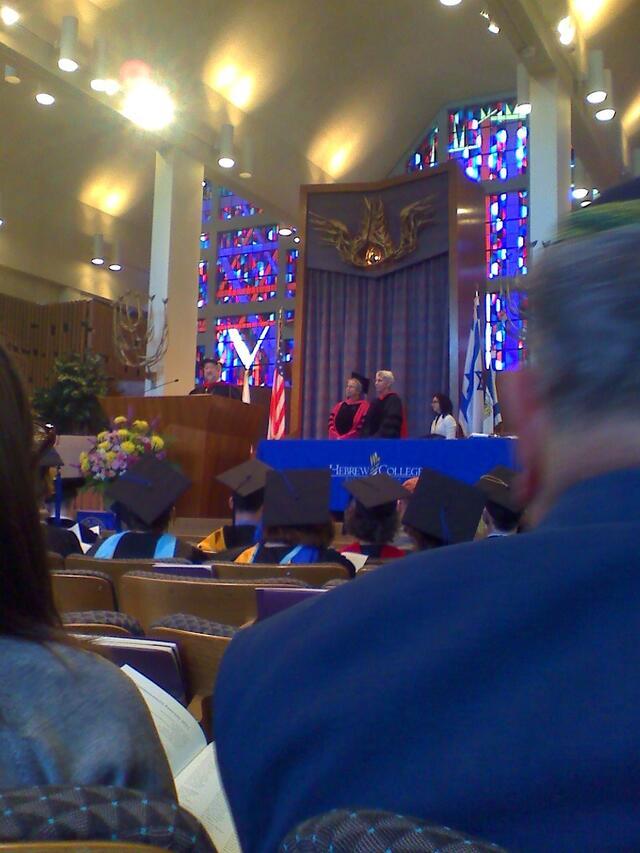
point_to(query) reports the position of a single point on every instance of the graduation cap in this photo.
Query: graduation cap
(363, 380)
(444, 508)
(247, 478)
(376, 491)
(149, 488)
(298, 497)
(499, 487)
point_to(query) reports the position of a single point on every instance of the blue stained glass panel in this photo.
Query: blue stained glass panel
(507, 233)
(203, 284)
(247, 269)
(490, 141)
(253, 334)
(233, 206)
(506, 328)
(426, 154)
(291, 274)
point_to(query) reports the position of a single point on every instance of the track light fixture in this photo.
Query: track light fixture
(101, 81)
(608, 111)
(115, 264)
(596, 92)
(226, 159)
(566, 30)
(523, 97)
(11, 75)
(246, 162)
(97, 256)
(9, 15)
(67, 60)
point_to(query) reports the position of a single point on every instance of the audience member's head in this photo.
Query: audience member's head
(578, 403)
(441, 405)
(211, 370)
(384, 382)
(247, 483)
(296, 508)
(503, 509)
(144, 496)
(26, 602)
(442, 511)
(357, 387)
(372, 514)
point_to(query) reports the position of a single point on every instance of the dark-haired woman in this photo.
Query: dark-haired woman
(444, 424)
(374, 529)
(67, 716)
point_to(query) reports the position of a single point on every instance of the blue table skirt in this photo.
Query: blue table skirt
(467, 459)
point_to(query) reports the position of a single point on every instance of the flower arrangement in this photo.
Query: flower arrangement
(117, 449)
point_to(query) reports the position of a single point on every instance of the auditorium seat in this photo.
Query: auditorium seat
(50, 814)
(103, 623)
(368, 831)
(55, 561)
(149, 597)
(202, 644)
(312, 573)
(194, 530)
(114, 568)
(82, 590)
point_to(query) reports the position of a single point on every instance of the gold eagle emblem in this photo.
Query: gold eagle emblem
(373, 245)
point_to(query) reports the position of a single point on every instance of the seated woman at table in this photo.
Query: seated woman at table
(296, 523)
(444, 425)
(372, 516)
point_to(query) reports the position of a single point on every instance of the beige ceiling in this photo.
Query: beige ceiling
(326, 90)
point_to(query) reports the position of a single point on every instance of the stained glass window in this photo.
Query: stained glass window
(249, 341)
(205, 241)
(291, 275)
(505, 333)
(233, 206)
(506, 230)
(426, 154)
(203, 284)
(202, 325)
(491, 141)
(200, 354)
(247, 265)
(207, 203)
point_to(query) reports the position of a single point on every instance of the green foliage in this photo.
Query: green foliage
(71, 403)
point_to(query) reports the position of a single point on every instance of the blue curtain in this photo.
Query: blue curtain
(397, 322)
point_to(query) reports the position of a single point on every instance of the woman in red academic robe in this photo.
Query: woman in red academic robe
(347, 417)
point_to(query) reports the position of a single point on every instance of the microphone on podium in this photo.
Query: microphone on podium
(162, 384)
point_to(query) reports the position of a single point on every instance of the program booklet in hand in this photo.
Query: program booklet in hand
(193, 763)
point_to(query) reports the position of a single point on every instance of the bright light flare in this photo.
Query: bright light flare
(148, 105)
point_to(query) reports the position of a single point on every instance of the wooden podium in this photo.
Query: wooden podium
(206, 435)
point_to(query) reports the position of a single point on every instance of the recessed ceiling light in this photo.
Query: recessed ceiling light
(285, 230)
(579, 193)
(1, 222)
(606, 114)
(585, 203)
(148, 105)
(45, 99)
(11, 75)
(68, 44)
(226, 159)
(493, 28)
(451, 2)
(566, 30)
(9, 15)
(115, 267)
(296, 239)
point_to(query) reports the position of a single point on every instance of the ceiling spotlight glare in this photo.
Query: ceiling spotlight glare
(579, 193)
(566, 30)
(607, 114)
(285, 231)
(493, 28)
(451, 2)
(9, 15)
(1, 222)
(45, 99)
(97, 261)
(585, 203)
(115, 267)
(296, 239)
(597, 96)
(68, 44)
(11, 75)
(148, 105)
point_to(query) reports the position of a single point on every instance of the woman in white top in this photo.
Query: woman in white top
(444, 424)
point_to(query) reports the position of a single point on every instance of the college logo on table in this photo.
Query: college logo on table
(375, 462)
(376, 466)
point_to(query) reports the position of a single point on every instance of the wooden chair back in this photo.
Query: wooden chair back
(79, 847)
(82, 592)
(97, 629)
(114, 568)
(314, 573)
(150, 598)
(200, 656)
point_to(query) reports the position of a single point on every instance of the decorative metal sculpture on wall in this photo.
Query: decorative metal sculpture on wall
(372, 245)
(134, 328)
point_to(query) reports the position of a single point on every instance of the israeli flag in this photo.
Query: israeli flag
(492, 415)
(471, 416)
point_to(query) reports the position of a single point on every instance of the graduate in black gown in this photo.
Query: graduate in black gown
(59, 535)
(504, 508)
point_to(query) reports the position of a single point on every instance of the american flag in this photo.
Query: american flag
(276, 406)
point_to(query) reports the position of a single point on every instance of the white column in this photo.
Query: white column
(550, 157)
(175, 252)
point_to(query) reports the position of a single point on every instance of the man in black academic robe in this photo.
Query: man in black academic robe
(385, 418)
(212, 384)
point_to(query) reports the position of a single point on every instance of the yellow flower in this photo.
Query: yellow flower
(104, 445)
(157, 443)
(102, 435)
(140, 426)
(84, 463)
(110, 455)
(124, 433)
(119, 420)
(128, 447)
